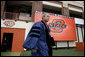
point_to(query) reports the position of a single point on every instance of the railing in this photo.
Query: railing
(17, 16)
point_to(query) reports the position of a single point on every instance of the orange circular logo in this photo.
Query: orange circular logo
(9, 23)
(57, 25)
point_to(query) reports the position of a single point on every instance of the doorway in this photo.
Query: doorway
(7, 42)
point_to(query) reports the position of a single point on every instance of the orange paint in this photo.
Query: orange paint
(66, 34)
(18, 38)
(80, 46)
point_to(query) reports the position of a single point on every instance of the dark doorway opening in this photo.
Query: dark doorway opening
(7, 42)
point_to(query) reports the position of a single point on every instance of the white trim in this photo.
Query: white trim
(52, 4)
(74, 9)
(74, 3)
(79, 21)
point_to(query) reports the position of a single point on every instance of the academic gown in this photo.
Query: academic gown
(38, 39)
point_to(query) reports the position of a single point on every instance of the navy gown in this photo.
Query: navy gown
(39, 38)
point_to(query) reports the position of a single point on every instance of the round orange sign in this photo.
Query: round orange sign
(57, 25)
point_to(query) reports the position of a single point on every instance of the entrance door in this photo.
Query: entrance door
(7, 42)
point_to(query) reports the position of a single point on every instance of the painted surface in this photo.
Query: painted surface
(18, 38)
(80, 46)
(62, 28)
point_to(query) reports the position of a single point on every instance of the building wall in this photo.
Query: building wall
(79, 4)
(2, 8)
(80, 33)
(65, 11)
(59, 44)
(18, 38)
(19, 24)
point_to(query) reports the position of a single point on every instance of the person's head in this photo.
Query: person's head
(45, 17)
